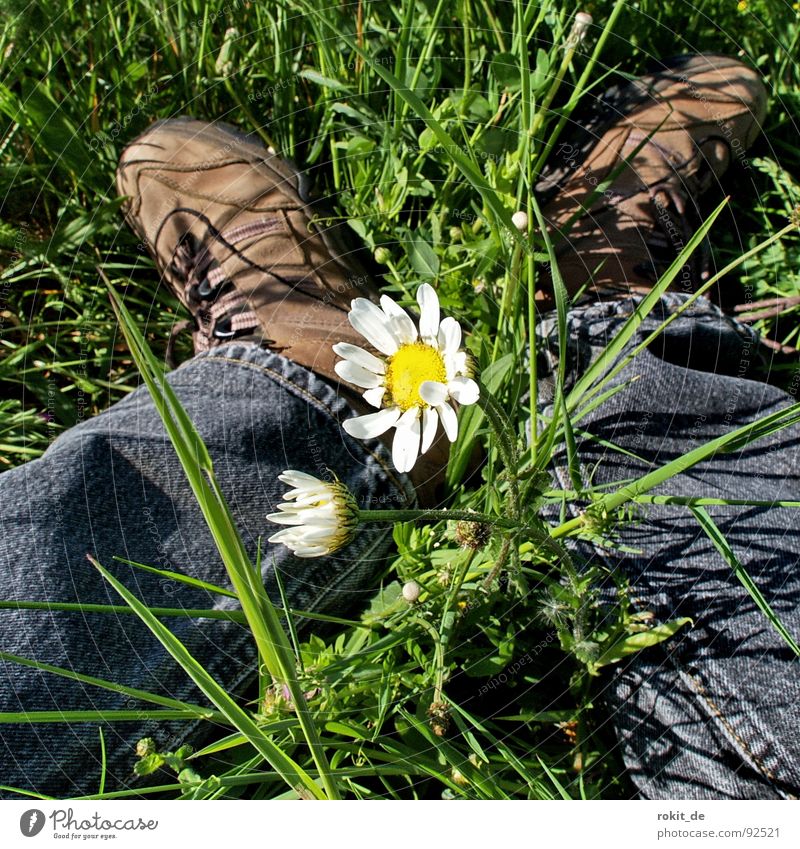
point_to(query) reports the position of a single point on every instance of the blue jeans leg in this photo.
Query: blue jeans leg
(112, 487)
(714, 712)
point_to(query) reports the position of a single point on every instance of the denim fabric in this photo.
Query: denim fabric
(714, 712)
(711, 714)
(113, 487)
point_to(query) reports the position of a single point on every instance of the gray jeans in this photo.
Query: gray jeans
(113, 487)
(711, 714)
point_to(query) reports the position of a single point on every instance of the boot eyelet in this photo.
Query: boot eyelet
(204, 289)
(223, 329)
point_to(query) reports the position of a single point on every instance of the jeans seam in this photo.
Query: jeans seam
(313, 400)
(717, 713)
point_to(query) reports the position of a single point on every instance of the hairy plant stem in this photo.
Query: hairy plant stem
(435, 516)
(505, 442)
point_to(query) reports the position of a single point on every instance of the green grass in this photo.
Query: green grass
(424, 127)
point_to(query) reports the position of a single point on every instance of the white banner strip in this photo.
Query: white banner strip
(400, 825)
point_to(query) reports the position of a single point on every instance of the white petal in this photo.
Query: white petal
(456, 364)
(464, 390)
(360, 357)
(405, 448)
(430, 422)
(371, 322)
(432, 392)
(315, 551)
(449, 421)
(400, 321)
(373, 424)
(358, 376)
(285, 518)
(374, 397)
(288, 536)
(449, 335)
(316, 535)
(428, 302)
(295, 478)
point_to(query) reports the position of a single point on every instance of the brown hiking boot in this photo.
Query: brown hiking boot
(680, 129)
(229, 227)
(230, 230)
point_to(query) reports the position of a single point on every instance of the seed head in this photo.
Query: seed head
(146, 746)
(438, 713)
(472, 535)
(580, 28)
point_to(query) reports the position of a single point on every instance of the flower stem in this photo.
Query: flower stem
(505, 441)
(435, 516)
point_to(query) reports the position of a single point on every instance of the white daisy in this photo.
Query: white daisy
(421, 372)
(322, 516)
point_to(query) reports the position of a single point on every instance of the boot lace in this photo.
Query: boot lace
(220, 311)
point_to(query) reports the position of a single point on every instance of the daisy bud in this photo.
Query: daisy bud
(411, 591)
(382, 255)
(520, 221)
(322, 516)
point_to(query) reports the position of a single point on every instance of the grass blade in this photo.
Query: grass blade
(597, 372)
(180, 577)
(290, 771)
(77, 607)
(36, 717)
(723, 547)
(271, 640)
(131, 692)
(732, 441)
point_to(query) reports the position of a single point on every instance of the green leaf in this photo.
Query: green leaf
(541, 75)
(636, 642)
(505, 69)
(148, 764)
(321, 80)
(422, 258)
(386, 601)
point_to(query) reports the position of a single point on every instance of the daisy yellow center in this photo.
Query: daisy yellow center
(408, 369)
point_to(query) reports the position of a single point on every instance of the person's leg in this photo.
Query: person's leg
(239, 241)
(231, 234)
(626, 186)
(113, 488)
(713, 712)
